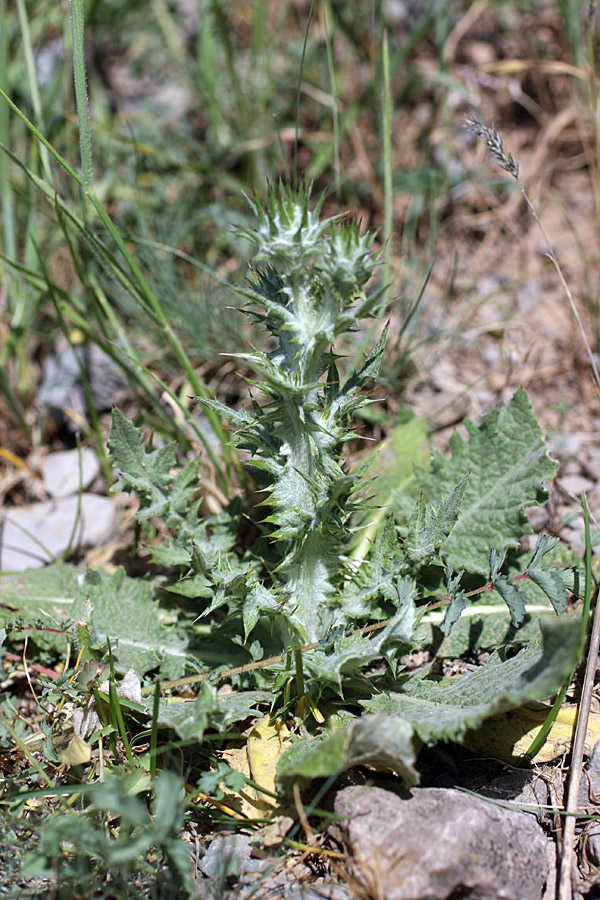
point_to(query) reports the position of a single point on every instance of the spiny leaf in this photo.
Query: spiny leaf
(455, 609)
(190, 718)
(428, 528)
(550, 579)
(513, 597)
(351, 653)
(506, 587)
(147, 473)
(444, 713)
(509, 464)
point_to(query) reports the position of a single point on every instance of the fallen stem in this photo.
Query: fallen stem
(273, 660)
(565, 891)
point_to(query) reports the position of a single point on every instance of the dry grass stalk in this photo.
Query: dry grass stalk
(493, 141)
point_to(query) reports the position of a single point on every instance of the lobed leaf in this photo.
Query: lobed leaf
(445, 712)
(509, 465)
(147, 473)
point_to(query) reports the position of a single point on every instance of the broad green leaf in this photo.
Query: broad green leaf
(147, 473)
(191, 718)
(41, 597)
(122, 610)
(380, 741)
(508, 465)
(444, 713)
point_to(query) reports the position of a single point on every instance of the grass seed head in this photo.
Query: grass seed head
(494, 142)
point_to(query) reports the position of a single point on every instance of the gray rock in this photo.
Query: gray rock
(313, 892)
(226, 856)
(591, 463)
(538, 517)
(591, 838)
(435, 844)
(61, 471)
(575, 484)
(61, 386)
(521, 787)
(32, 535)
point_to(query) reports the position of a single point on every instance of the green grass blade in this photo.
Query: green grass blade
(32, 82)
(40, 137)
(81, 94)
(388, 198)
(298, 91)
(335, 112)
(77, 518)
(154, 730)
(6, 192)
(546, 728)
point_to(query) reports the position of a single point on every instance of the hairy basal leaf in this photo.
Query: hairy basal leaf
(122, 610)
(444, 713)
(44, 597)
(380, 741)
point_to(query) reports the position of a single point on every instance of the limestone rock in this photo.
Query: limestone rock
(434, 844)
(32, 535)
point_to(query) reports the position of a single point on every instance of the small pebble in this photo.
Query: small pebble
(61, 471)
(32, 535)
(575, 484)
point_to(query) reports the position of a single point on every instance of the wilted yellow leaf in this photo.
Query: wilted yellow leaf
(77, 753)
(265, 747)
(258, 761)
(508, 736)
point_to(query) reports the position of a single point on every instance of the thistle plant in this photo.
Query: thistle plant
(308, 601)
(308, 293)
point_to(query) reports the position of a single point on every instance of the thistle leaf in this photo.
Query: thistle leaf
(428, 528)
(147, 473)
(551, 579)
(509, 465)
(444, 713)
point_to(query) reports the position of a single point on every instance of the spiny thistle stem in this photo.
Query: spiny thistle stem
(309, 292)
